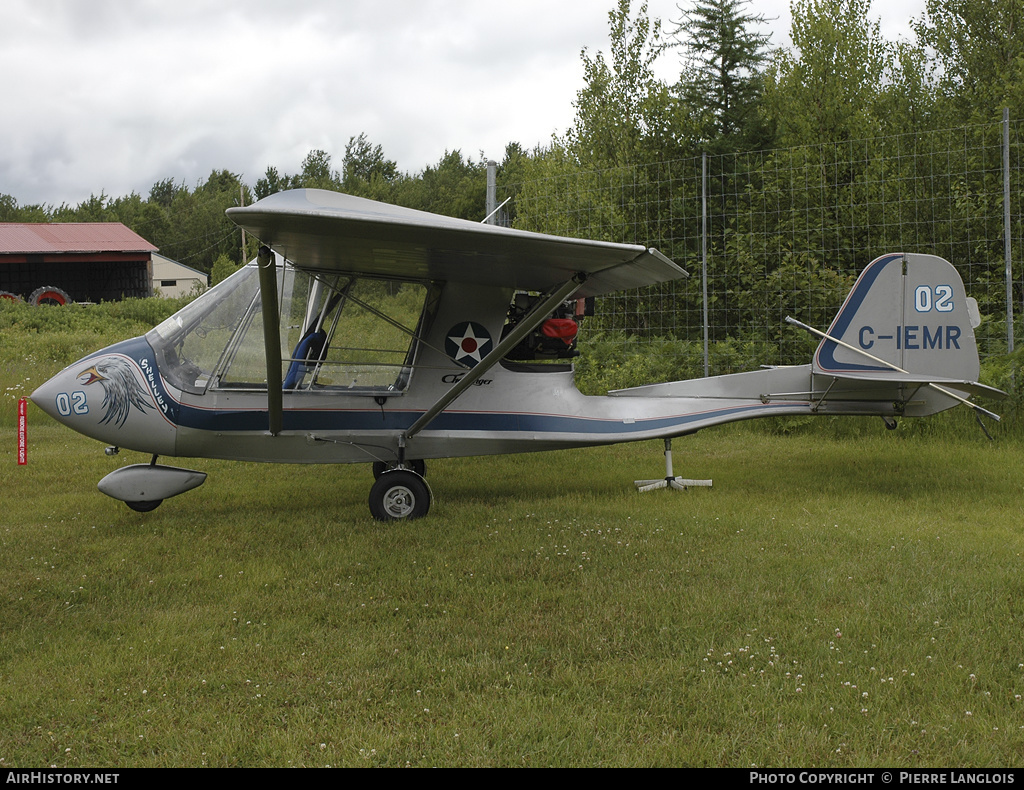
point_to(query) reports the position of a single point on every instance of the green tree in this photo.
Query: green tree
(454, 187)
(825, 90)
(724, 54)
(623, 155)
(979, 52)
(92, 210)
(906, 102)
(193, 228)
(513, 170)
(10, 211)
(365, 170)
(146, 218)
(223, 268)
(317, 173)
(162, 193)
(624, 114)
(273, 182)
(8, 208)
(586, 183)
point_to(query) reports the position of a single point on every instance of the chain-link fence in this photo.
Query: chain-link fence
(787, 231)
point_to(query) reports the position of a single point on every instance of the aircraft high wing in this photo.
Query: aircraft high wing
(372, 333)
(329, 231)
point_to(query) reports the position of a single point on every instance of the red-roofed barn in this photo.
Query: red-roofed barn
(83, 261)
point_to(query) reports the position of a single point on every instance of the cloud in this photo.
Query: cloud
(113, 95)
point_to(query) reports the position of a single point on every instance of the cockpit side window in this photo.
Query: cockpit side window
(338, 332)
(371, 339)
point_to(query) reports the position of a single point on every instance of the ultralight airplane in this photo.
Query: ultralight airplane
(367, 332)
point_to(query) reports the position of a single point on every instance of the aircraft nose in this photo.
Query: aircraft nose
(45, 397)
(108, 396)
(69, 399)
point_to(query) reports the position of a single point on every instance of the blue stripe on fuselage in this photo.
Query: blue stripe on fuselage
(371, 420)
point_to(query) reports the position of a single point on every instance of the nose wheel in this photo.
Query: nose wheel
(399, 495)
(145, 507)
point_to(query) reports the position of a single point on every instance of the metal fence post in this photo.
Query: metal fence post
(1007, 246)
(704, 248)
(492, 192)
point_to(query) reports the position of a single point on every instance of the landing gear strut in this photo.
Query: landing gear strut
(670, 481)
(417, 466)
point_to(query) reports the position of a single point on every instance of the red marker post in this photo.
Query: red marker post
(22, 432)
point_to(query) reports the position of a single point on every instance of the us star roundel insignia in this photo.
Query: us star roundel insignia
(468, 342)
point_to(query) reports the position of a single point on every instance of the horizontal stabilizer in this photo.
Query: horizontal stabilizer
(910, 379)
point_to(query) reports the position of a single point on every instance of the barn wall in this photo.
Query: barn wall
(84, 281)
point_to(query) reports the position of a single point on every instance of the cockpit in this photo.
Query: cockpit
(338, 332)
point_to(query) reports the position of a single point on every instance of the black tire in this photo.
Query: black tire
(49, 294)
(9, 296)
(417, 466)
(399, 496)
(144, 507)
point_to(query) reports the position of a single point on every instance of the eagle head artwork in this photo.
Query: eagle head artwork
(121, 390)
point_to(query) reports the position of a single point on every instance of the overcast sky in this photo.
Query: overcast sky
(115, 95)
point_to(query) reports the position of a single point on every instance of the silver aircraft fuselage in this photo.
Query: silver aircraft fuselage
(122, 397)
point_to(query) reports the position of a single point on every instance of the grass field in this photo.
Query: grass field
(829, 602)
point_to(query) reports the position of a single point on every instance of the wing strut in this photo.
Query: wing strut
(536, 317)
(267, 265)
(891, 366)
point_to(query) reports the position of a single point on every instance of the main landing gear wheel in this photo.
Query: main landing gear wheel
(399, 495)
(417, 466)
(144, 507)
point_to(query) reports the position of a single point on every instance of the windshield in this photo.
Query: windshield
(190, 343)
(337, 332)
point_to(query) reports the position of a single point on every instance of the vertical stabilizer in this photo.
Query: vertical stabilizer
(907, 310)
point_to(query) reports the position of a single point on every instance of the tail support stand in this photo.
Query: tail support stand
(670, 481)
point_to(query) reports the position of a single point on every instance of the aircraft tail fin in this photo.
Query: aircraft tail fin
(906, 314)
(908, 324)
